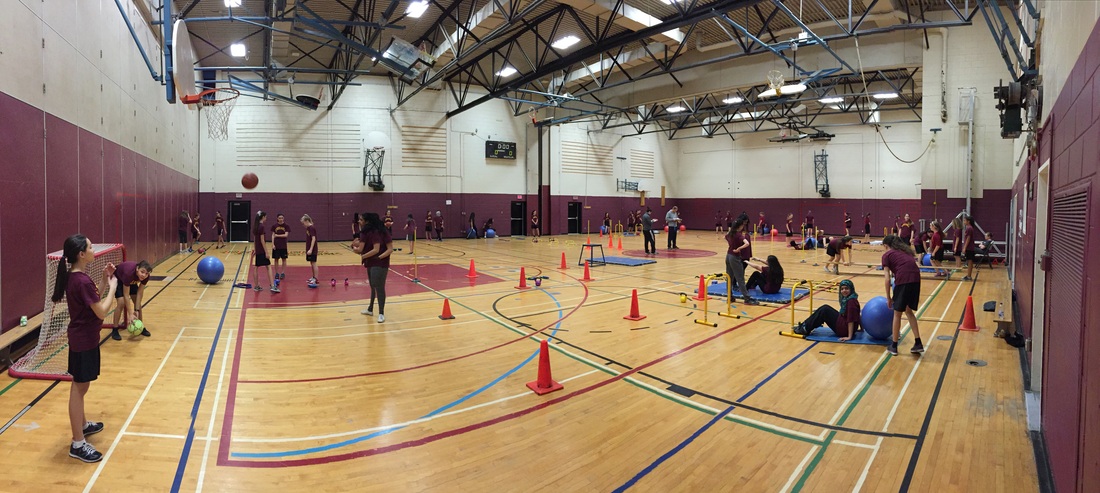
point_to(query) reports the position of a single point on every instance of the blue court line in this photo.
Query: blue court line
(668, 455)
(178, 480)
(352, 441)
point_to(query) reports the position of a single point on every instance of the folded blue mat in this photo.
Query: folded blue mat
(783, 296)
(628, 261)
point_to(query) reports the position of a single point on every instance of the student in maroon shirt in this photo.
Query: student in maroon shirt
(195, 233)
(184, 227)
(918, 243)
(847, 224)
(905, 296)
(410, 233)
(428, 224)
(355, 227)
(132, 276)
(956, 240)
(536, 230)
(437, 223)
(935, 249)
(844, 322)
(968, 245)
(739, 249)
(260, 252)
(761, 223)
(790, 221)
(311, 248)
(388, 222)
(867, 226)
(219, 229)
(87, 309)
(280, 232)
(906, 229)
(809, 224)
(375, 250)
(835, 251)
(718, 222)
(769, 275)
(729, 219)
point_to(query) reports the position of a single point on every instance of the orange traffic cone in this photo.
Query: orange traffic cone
(522, 279)
(968, 316)
(563, 265)
(587, 276)
(610, 241)
(702, 294)
(589, 242)
(634, 314)
(601, 232)
(620, 243)
(473, 273)
(545, 383)
(446, 315)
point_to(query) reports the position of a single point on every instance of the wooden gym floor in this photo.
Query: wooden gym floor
(238, 391)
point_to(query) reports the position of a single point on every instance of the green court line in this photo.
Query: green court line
(855, 402)
(10, 385)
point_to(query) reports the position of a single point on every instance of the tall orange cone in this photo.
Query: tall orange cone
(610, 241)
(968, 316)
(587, 276)
(702, 294)
(545, 383)
(473, 273)
(601, 232)
(446, 315)
(634, 313)
(589, 242)
(522, 279)
(564, 266)
(620, 243)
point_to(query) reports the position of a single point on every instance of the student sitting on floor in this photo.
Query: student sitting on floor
(844, 323)
(769, 277)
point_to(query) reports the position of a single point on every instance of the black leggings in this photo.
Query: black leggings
(756, 280)
(825, 315)
(377, 278)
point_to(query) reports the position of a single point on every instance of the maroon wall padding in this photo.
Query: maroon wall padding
(1071, 140)
(62, 180)
(1024, 255)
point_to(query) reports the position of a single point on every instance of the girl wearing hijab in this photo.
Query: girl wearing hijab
(844, 323)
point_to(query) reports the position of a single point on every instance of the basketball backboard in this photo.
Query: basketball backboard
(183, 61)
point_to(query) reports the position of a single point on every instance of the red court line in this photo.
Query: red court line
(223, 460)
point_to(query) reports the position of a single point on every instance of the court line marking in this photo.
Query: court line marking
(133, 412)
(214, 411)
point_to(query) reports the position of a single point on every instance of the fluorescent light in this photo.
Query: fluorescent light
(237, 50)
(670, 2)
(566, 42)
(885, 95)
(732, 100)
(830, 100)
(787, 90)
(746, 115)
(232, 3)
(675, 109)
(416, 9)
(507, 71)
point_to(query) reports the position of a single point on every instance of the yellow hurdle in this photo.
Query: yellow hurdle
(706, 282)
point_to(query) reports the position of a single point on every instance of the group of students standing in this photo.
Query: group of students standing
(189, 232)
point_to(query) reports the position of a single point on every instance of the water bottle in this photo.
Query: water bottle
(1001, 310)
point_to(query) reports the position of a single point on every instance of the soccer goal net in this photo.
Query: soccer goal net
(49, 360)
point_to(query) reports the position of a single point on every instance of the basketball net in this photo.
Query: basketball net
(218, 104)
(775, 80)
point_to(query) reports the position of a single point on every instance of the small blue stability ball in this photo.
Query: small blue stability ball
(877, 318)
(211, 270)
(926, 260)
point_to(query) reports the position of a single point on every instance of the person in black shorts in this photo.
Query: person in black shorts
(898, 263)
(311, 247)
(259, 252)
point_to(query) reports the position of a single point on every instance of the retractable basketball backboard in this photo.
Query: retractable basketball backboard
(183, 61)
(217, 102)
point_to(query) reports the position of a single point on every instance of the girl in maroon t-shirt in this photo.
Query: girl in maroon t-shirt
(87, 309)
(184, 226)
(262, 252)
(898, 262)
(195, 233)
(536, 230)
(769, 275)
(956, 240)
(311, 248)
(355, 227)
(428, 226)
(219, 229)
(845, 322)
(375, 250)
(935, 249)
(737, 239)
(867, 227)
(847, 224)
(790, 222)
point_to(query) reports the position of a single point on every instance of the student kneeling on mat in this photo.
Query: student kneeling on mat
(844, 323)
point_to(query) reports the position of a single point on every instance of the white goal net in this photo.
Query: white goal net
(49, 360)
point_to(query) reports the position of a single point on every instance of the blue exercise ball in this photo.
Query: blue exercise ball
(927, 259)
(877, 318)
(490, 233)
(211, 270)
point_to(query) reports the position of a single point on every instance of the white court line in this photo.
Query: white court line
(214, 409)
(201, 295)
(797, 470)
(857, 445)
(396, 425)
(133, 412)
(357, 334)
(904, 389)
(162, 435)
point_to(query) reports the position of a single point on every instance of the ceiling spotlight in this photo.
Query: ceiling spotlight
(885, 95)
(507, 71)
(565, 42)
(789, 89)
(416, 9)
(830, 100)
(675, 109)
(232, 3)
(237, 50)
(733, 100)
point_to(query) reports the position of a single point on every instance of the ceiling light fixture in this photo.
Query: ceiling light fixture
(416, 9)
(232, 3)
(566, 42)
(507, 71)
(830, 100)
(237, 49)
(675, 109)
(885, 95)
(733, 100)
(789, 89)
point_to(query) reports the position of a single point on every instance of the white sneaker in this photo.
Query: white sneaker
(367, 312)
(381, 318)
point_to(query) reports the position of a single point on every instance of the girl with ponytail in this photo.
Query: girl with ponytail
(898, 263)
(87, 309)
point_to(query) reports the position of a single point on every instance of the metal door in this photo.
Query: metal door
(519, 218)
(574, 217)
(240, 220)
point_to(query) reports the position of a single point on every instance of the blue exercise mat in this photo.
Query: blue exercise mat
(628, 261)
(825, 334)
(927, 270)
(783, 296)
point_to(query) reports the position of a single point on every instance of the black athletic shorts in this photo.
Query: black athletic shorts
(84, 365)
(829, 250)
(183, 237)
(938, 257)
(118, 290)
(262, 260)
(969, 255)
(919, 248)
(279, 253)
(311, 258)
(866, 229)
(906, 296)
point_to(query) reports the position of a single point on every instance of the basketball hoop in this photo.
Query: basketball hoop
(775, 81)
(217, 104)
